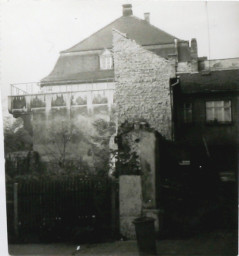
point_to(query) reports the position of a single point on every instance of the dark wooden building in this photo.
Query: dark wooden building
(206, 115)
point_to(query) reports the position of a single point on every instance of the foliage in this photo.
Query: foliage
(100, 146)
(23, 163)
(17, 146)
(60, 141)
(127, 156)
(16, 138)
(57, 145)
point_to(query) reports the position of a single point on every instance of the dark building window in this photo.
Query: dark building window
(218, 111)
(187, 113)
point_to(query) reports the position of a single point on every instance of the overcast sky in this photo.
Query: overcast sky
(34, 31)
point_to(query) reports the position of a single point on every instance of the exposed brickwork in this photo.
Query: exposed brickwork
(142, 84)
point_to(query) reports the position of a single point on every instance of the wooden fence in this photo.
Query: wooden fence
(72, 208)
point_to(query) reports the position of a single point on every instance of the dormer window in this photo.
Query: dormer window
(106, 60)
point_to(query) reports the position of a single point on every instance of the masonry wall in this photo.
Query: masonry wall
(142, 82)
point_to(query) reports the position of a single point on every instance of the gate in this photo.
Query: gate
(70, 209)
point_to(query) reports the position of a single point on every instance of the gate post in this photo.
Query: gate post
(15, 200)
(130, 196)
(113, 206)
(149, 155)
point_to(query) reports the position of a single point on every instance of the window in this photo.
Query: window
(187, 113)
(218, 111)
(106, 60)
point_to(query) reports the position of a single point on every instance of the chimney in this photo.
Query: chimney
(127, 10)
(194, 49)
(194, 55)
(147, 17)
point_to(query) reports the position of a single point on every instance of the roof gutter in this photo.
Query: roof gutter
(66, 82)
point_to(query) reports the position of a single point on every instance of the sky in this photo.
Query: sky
(33, 32)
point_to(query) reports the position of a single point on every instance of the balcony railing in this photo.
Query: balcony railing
(36, 88)
(25, 88)
(30, 97)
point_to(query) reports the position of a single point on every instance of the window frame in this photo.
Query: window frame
(215, 121)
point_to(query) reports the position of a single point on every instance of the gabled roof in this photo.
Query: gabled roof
(137, 29)
(74, 67)
(214, 81)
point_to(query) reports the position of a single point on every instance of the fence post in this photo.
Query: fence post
(15, 200)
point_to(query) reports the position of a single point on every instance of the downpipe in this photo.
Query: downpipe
(172, 109)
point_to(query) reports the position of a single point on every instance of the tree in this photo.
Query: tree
(60, 143)
(20, 159)
(16, 137)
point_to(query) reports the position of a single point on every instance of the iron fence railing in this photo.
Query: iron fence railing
(60, 207)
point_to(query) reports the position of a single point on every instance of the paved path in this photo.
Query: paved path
(117, 248)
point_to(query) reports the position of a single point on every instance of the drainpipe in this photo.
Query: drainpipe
(172, 108)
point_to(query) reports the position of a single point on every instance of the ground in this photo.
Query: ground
(217, 243)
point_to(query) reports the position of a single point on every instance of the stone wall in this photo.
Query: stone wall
(142, 81)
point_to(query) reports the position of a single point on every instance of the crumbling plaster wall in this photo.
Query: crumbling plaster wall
(142, 85)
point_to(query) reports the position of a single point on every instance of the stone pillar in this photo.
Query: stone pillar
(149, 169)
(130, 203)
(143, 141)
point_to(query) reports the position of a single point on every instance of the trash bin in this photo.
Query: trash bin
(145, 234)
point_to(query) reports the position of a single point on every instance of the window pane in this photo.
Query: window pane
(218, 114)
(209, 104)
(227, 115)
(218, 111)
(210, 114)
(218, 103)
(227, 104)
(106, 62)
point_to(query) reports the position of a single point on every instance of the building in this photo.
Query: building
(192, 100)
(206, 114)
(132, 72)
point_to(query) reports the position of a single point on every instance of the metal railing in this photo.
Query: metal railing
(25, 88)
(35, 88)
